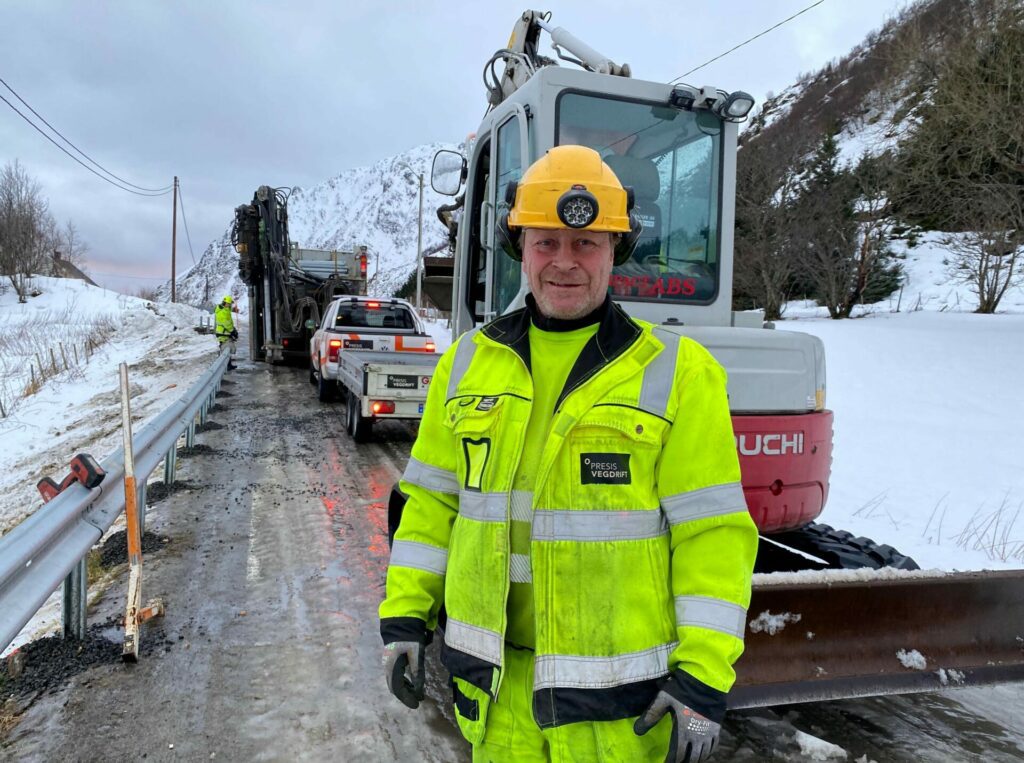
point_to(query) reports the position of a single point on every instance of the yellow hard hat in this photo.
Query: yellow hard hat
(227, 299)
(569, 187)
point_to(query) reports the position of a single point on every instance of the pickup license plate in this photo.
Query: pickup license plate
(358, 344)
(402, 381)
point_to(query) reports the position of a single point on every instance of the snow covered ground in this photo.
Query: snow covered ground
(928, 414)
(78, 409)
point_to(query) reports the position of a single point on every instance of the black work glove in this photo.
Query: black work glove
(693, 736)
(234, 333)
(397, 657)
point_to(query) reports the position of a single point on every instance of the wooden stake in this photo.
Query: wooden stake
(53, 361)
(134, 614)
(63, 356)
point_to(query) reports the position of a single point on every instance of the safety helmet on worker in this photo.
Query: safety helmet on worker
(569, 187)
(227, 300)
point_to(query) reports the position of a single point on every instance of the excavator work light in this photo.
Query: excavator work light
(736, 106)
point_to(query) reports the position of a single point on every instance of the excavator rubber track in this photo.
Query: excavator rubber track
(824, 635)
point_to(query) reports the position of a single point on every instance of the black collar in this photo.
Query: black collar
(544, 323)
(616, 333)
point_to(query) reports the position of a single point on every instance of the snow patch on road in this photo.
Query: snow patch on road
(816, 749)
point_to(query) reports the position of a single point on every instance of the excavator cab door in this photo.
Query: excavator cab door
(488, 281)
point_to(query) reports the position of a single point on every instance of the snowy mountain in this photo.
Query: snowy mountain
(376, 205)
(870, 94)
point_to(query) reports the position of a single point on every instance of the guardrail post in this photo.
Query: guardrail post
(170, 464)
(76, 589)
(190, 434)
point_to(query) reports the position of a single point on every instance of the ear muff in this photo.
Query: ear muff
(508, 238)
(624, 249)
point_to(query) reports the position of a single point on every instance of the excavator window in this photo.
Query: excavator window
(672, 159)
(508, 274)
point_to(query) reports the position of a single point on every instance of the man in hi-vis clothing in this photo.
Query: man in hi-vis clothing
(575, 505)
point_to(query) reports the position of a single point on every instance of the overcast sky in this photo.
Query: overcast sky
(230, 95)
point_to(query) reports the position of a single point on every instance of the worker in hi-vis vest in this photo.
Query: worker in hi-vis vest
(225, 325)
(574, 504)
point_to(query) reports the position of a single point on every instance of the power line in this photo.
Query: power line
(75, 158)
(181, 200)
(122, 275)
(58, 132)
(759, 34)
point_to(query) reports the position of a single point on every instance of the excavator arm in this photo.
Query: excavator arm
(522, 57)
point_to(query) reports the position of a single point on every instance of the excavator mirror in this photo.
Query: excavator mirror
(448, 172)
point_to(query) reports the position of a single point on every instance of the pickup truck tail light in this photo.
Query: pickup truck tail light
(333, 346)
(382, 406)
(431, 347)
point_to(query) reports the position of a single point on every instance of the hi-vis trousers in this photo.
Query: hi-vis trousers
(512, 736)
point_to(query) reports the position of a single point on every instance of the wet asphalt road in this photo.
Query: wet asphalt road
(269, 649)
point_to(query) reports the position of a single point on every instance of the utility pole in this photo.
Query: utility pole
(174, 241)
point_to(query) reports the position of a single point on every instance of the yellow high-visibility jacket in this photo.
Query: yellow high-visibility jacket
(642, 548)
(225, 322)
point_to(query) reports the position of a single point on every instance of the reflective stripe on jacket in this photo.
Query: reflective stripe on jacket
(642, 547)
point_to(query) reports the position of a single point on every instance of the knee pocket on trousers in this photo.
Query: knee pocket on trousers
(471, 704)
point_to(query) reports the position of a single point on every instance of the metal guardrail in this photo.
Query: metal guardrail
(49, 548)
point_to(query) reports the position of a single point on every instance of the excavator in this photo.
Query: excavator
(832, 615)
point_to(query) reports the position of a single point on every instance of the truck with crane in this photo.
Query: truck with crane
(289, 287)
(858, 603)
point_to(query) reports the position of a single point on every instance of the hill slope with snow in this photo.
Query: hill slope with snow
(77, 409)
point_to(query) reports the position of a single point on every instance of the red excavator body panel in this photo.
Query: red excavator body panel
(786, 461)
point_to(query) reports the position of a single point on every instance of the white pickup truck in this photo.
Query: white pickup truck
(378, 355)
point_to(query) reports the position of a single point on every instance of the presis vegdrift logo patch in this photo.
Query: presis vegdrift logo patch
(604, 469)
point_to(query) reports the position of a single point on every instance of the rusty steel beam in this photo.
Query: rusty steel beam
(899, 633)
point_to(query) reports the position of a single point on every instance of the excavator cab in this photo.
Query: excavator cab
(675, 156)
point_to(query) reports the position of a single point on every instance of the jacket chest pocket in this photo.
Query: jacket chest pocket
(474, 423)
(613, 459)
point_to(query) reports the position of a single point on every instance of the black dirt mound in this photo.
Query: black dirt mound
(157, 491)
(217, 407)
(115, 548)
(224, 393)
(196, 450)
(209, 426)
(47, 663)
